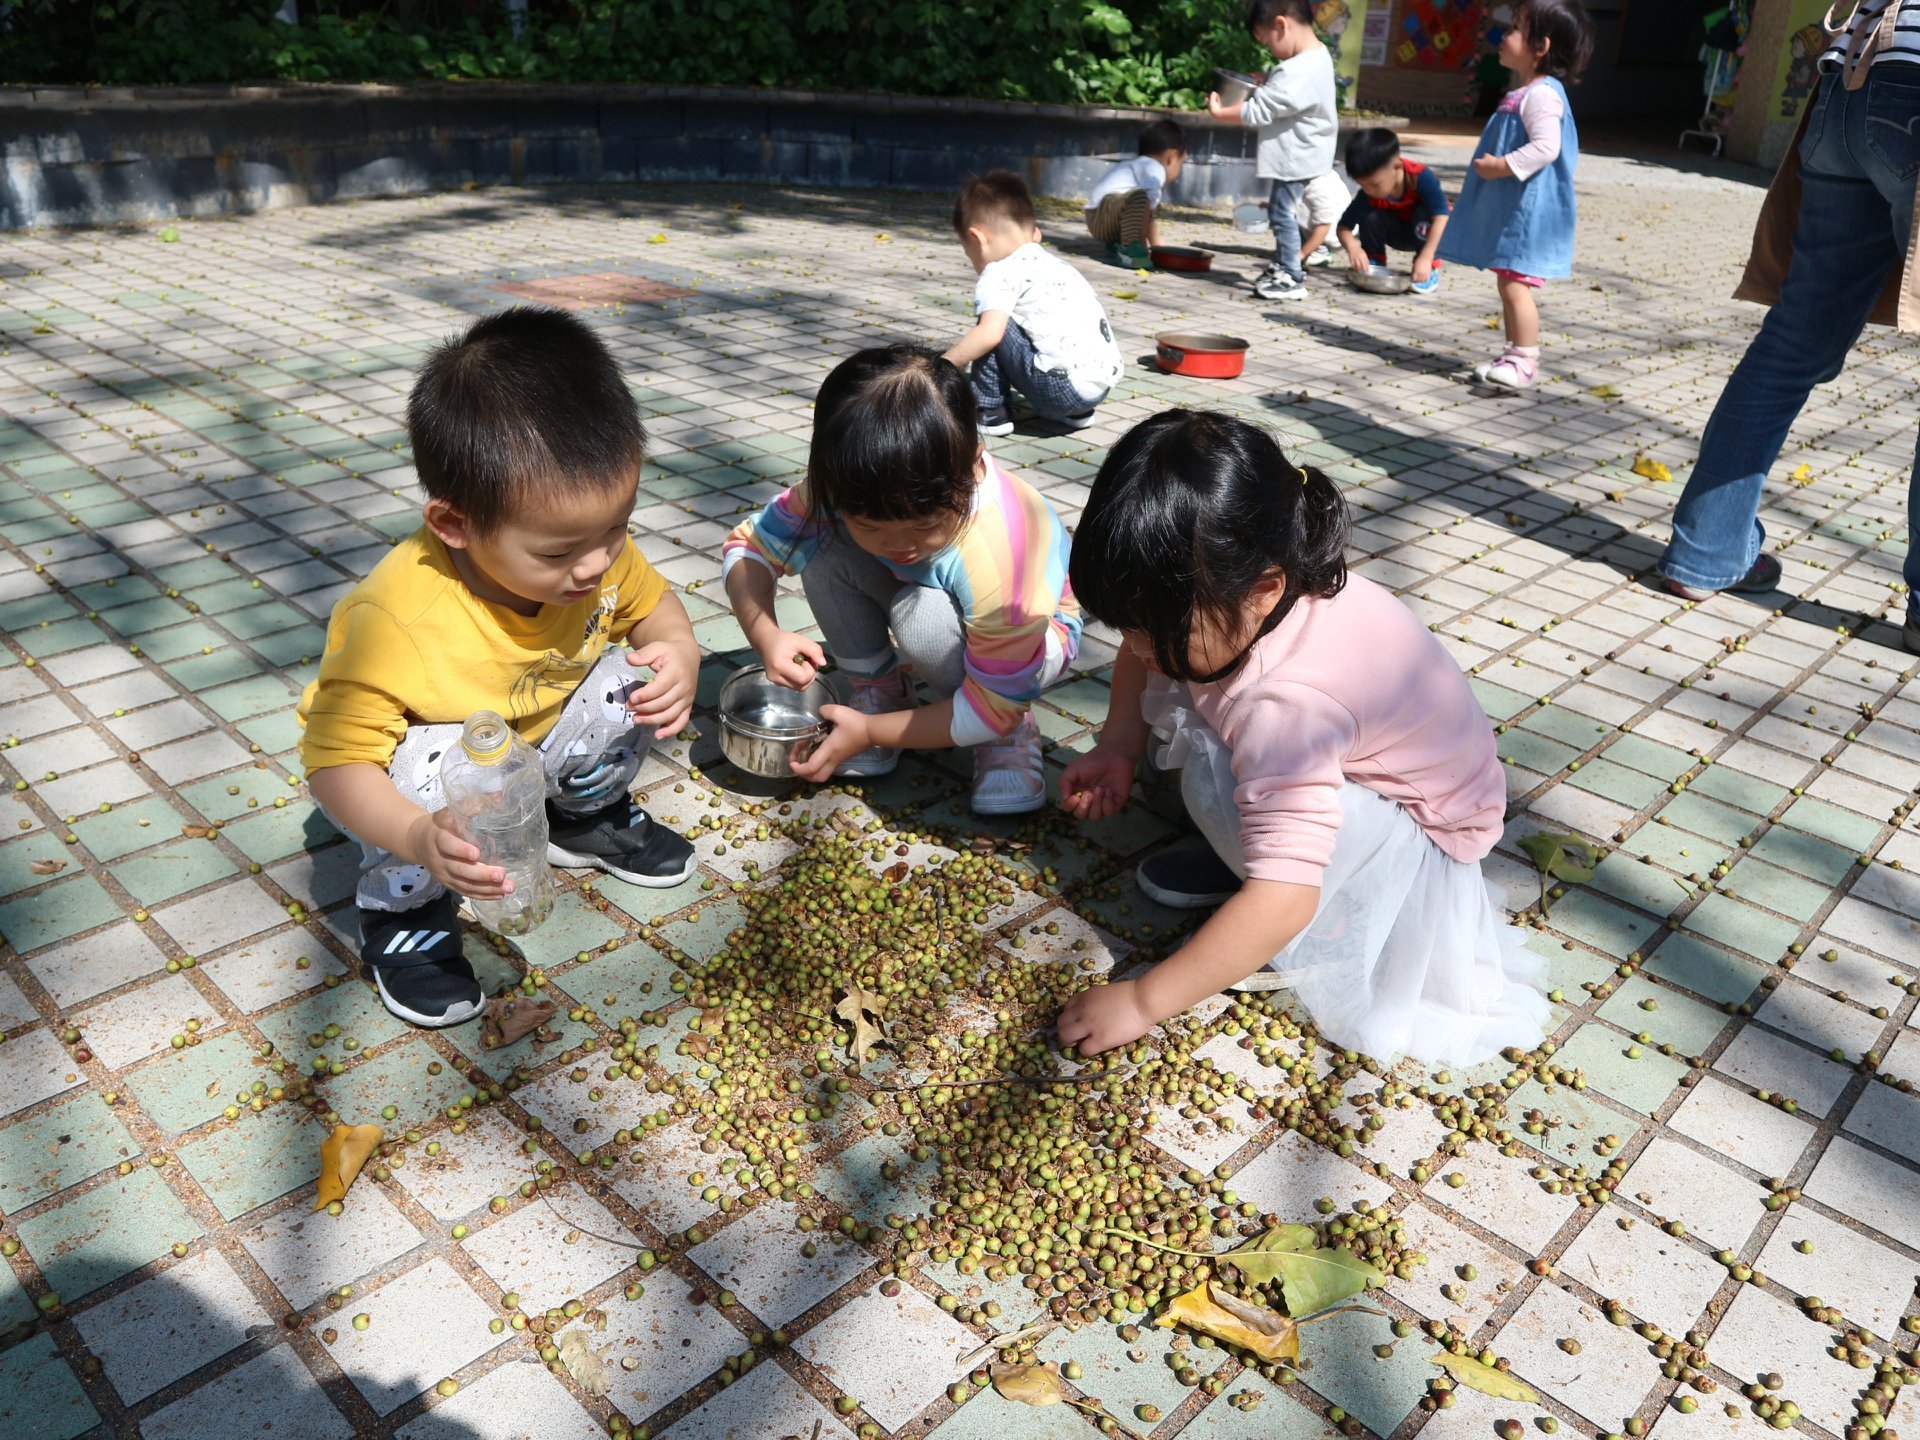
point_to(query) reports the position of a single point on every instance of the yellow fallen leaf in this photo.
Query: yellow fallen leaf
(1802, 474)
(659, 239)
(1649, 468)
(1254, 1328)
(1126, 294)
(882, 238)
(1029, 1384)
(1477, 1375)
(1605, 392)
(341, 1156)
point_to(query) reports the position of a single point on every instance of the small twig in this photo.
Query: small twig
(1079, 1079)
(595, 1234)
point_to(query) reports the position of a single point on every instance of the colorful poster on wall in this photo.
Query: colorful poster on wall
(1373, 36)
(1341, 24)
(1439, 34)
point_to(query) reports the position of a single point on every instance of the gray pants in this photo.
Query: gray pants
(593, 729)
(865, 611)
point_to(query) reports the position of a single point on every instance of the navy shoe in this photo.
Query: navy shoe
(622, 840)
(418, 965)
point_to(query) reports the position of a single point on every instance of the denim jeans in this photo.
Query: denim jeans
(1859, 159)
(1282, 201)
(1011, 366)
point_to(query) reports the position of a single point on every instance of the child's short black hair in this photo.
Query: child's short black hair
(1568, 33)
(895, 437)
(1191, 510)
(999, 197)
(528, 401)
(1371, 151)
(1261, 14)
(1162, 136)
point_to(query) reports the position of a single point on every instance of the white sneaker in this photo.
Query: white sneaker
(1320, 257)
(1008, 775)
(878, 697)
(1278, 285)
(1513, 372)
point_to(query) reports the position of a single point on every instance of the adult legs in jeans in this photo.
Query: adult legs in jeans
(1282, 201)
(1856, 211)
(1010, 367)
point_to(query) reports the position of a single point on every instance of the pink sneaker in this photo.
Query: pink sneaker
(1008, 776)
(1513, 371)
(884, 696)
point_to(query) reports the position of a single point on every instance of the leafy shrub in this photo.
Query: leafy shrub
(1120, 52)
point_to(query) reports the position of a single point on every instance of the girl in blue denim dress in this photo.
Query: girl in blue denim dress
(1515, 215)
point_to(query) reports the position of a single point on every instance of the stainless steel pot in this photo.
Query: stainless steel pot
(765, 727)
(1232, 87)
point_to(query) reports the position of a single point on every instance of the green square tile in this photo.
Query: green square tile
(15, 1305)
(1499, 702)
(179, 641)
(1340, 1364)
(288, 648)
(1127, 833)
(637, 975)
(18, 857)
(1776, 889)
(144, 616)
(702, 934)
(203, 672)
(1804, 854)
(1743, 927)
(58, 1147)
(1643, 1083)
(1121, 1382)
(1568, 971)
(351, 1005)
(1535, 752)
(58, 638)
(57, 912)
(95, 1238)
(1663, 762)
(1677, 1020)
(34, 610)
(1085, 700)
(1705, 969)
(1830, 822)
(209, 570)
(172, 870)
(244, 699)
(646, 904)
(1569, 728)
(1583, 1119)
(1627, 878)
(1677, 849)
(274, 834)
(411, 1077)
(1631, 788)
(120, 590)
(247, 1162)
(1277, 1416)
(119, 831)
(180, 1089)
(1609, 928)
(1709, 818)
(227, 797)
(228, 595)
(262, 618)
(39, 1397)
(1717, 782)
(274, 734)
(574, 926)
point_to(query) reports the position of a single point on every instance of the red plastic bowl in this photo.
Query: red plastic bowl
(1181, 257)
(1205, 357)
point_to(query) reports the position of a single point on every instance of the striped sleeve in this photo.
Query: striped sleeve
(782, 535)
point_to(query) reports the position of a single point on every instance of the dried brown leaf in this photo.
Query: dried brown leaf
(1254, 1328)
(198, 832)
(1029, 1384)
(513, 1017)
(866, 1012)
(341, 1156)
(584, 1363)
(47, 867)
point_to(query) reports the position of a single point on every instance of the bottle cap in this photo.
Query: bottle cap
(485, 737)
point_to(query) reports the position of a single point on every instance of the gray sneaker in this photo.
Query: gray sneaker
(1276, 284)
(1188, 877)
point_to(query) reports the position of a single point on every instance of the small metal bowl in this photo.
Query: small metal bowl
(1232, 86)
(764, 727)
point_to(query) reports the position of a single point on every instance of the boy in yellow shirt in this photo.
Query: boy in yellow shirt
(528, 445)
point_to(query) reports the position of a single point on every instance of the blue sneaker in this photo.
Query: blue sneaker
(1426, 286)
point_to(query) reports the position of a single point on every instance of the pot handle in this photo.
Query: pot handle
(805, 747)
(1170, 355)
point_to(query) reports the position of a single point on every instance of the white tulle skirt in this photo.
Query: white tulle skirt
(1409, 952)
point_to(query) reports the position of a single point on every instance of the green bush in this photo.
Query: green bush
(1121, 52)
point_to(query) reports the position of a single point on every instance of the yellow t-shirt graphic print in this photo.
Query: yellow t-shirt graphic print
(411, 645)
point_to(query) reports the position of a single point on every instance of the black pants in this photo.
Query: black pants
(1384, 230)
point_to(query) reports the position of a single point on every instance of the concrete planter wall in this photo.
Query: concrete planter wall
(91, 157)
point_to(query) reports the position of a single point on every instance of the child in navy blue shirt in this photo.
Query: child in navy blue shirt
(1400, 207)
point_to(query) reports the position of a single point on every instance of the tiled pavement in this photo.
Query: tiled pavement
(201, 447)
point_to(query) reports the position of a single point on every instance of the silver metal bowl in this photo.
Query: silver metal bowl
(1232, 87)
(764, 727)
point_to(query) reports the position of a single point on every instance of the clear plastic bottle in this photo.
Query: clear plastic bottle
(496, 790)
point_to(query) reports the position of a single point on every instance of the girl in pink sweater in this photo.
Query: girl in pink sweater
(1331, 752)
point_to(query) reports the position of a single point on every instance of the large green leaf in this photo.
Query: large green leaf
(1478, 1375)
(1560, 857)
(1311, 1277)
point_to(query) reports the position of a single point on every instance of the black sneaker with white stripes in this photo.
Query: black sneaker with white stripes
(417, 964)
